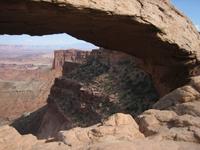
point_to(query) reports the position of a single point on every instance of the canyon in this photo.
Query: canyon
(105, 83)
(25, 81)
(141, 91)
(83, 108)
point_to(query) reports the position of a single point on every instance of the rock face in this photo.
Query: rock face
(23, 90)
(168, 35)
(119, 131)
(10, 139)
(108, 82)
(70, 55)
(179, 115)
(116, 127)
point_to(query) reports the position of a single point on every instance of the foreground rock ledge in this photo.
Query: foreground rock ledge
(119, 131)
(154, 31)
(179, 115)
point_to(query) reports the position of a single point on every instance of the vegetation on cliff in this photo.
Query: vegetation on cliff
(122, 81)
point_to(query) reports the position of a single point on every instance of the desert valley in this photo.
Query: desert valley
(138, 88)
(25, 80)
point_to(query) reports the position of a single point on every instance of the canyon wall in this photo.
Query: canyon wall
(23, 90)
(70, 55)
(25, 81)
(107, 82)
(29, 112)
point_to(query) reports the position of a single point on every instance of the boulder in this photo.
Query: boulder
(116, 127)
(10, 139)
(180, 124)
(119, 131)
(143, 145)
(181, 95)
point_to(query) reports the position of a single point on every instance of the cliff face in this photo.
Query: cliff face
(153, 31)
(23, 91)
(64, 62)
(106, 83)
(70, 55)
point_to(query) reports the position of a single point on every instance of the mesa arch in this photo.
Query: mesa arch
(165, 40)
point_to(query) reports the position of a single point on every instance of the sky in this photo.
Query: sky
(190, 8)
(55, 40)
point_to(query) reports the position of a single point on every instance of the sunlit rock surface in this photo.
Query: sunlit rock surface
(165, 40)
(155, 31)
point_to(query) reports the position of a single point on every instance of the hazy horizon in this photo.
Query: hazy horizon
(54, 41)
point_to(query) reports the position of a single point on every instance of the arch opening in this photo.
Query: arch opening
(132, 31)
(112, 80)
(26, 72)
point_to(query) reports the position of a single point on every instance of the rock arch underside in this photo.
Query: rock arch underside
(154, 31)
(166, 43)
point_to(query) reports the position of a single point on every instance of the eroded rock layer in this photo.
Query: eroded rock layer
(119, 131)
(179, 115)
(70, 55)
(108, 82)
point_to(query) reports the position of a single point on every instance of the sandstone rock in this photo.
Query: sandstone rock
(168, 35)
(10, 139)
(181, 95)
(120, 119)
(143, 145)
(196, 132)
(70, 55)
(186, 94)
(184, 124)
(191, 108)
(154, 121)
(167, 124)
(187, 120)
(195, 82)
(116, 127)
(158, 17)
(50, 146)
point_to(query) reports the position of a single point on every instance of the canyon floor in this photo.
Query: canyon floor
(25, 82)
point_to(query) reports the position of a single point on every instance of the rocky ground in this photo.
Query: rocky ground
(119, 131)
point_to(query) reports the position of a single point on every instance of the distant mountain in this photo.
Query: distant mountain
(10, 51)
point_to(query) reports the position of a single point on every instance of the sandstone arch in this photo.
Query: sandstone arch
(155, 31)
